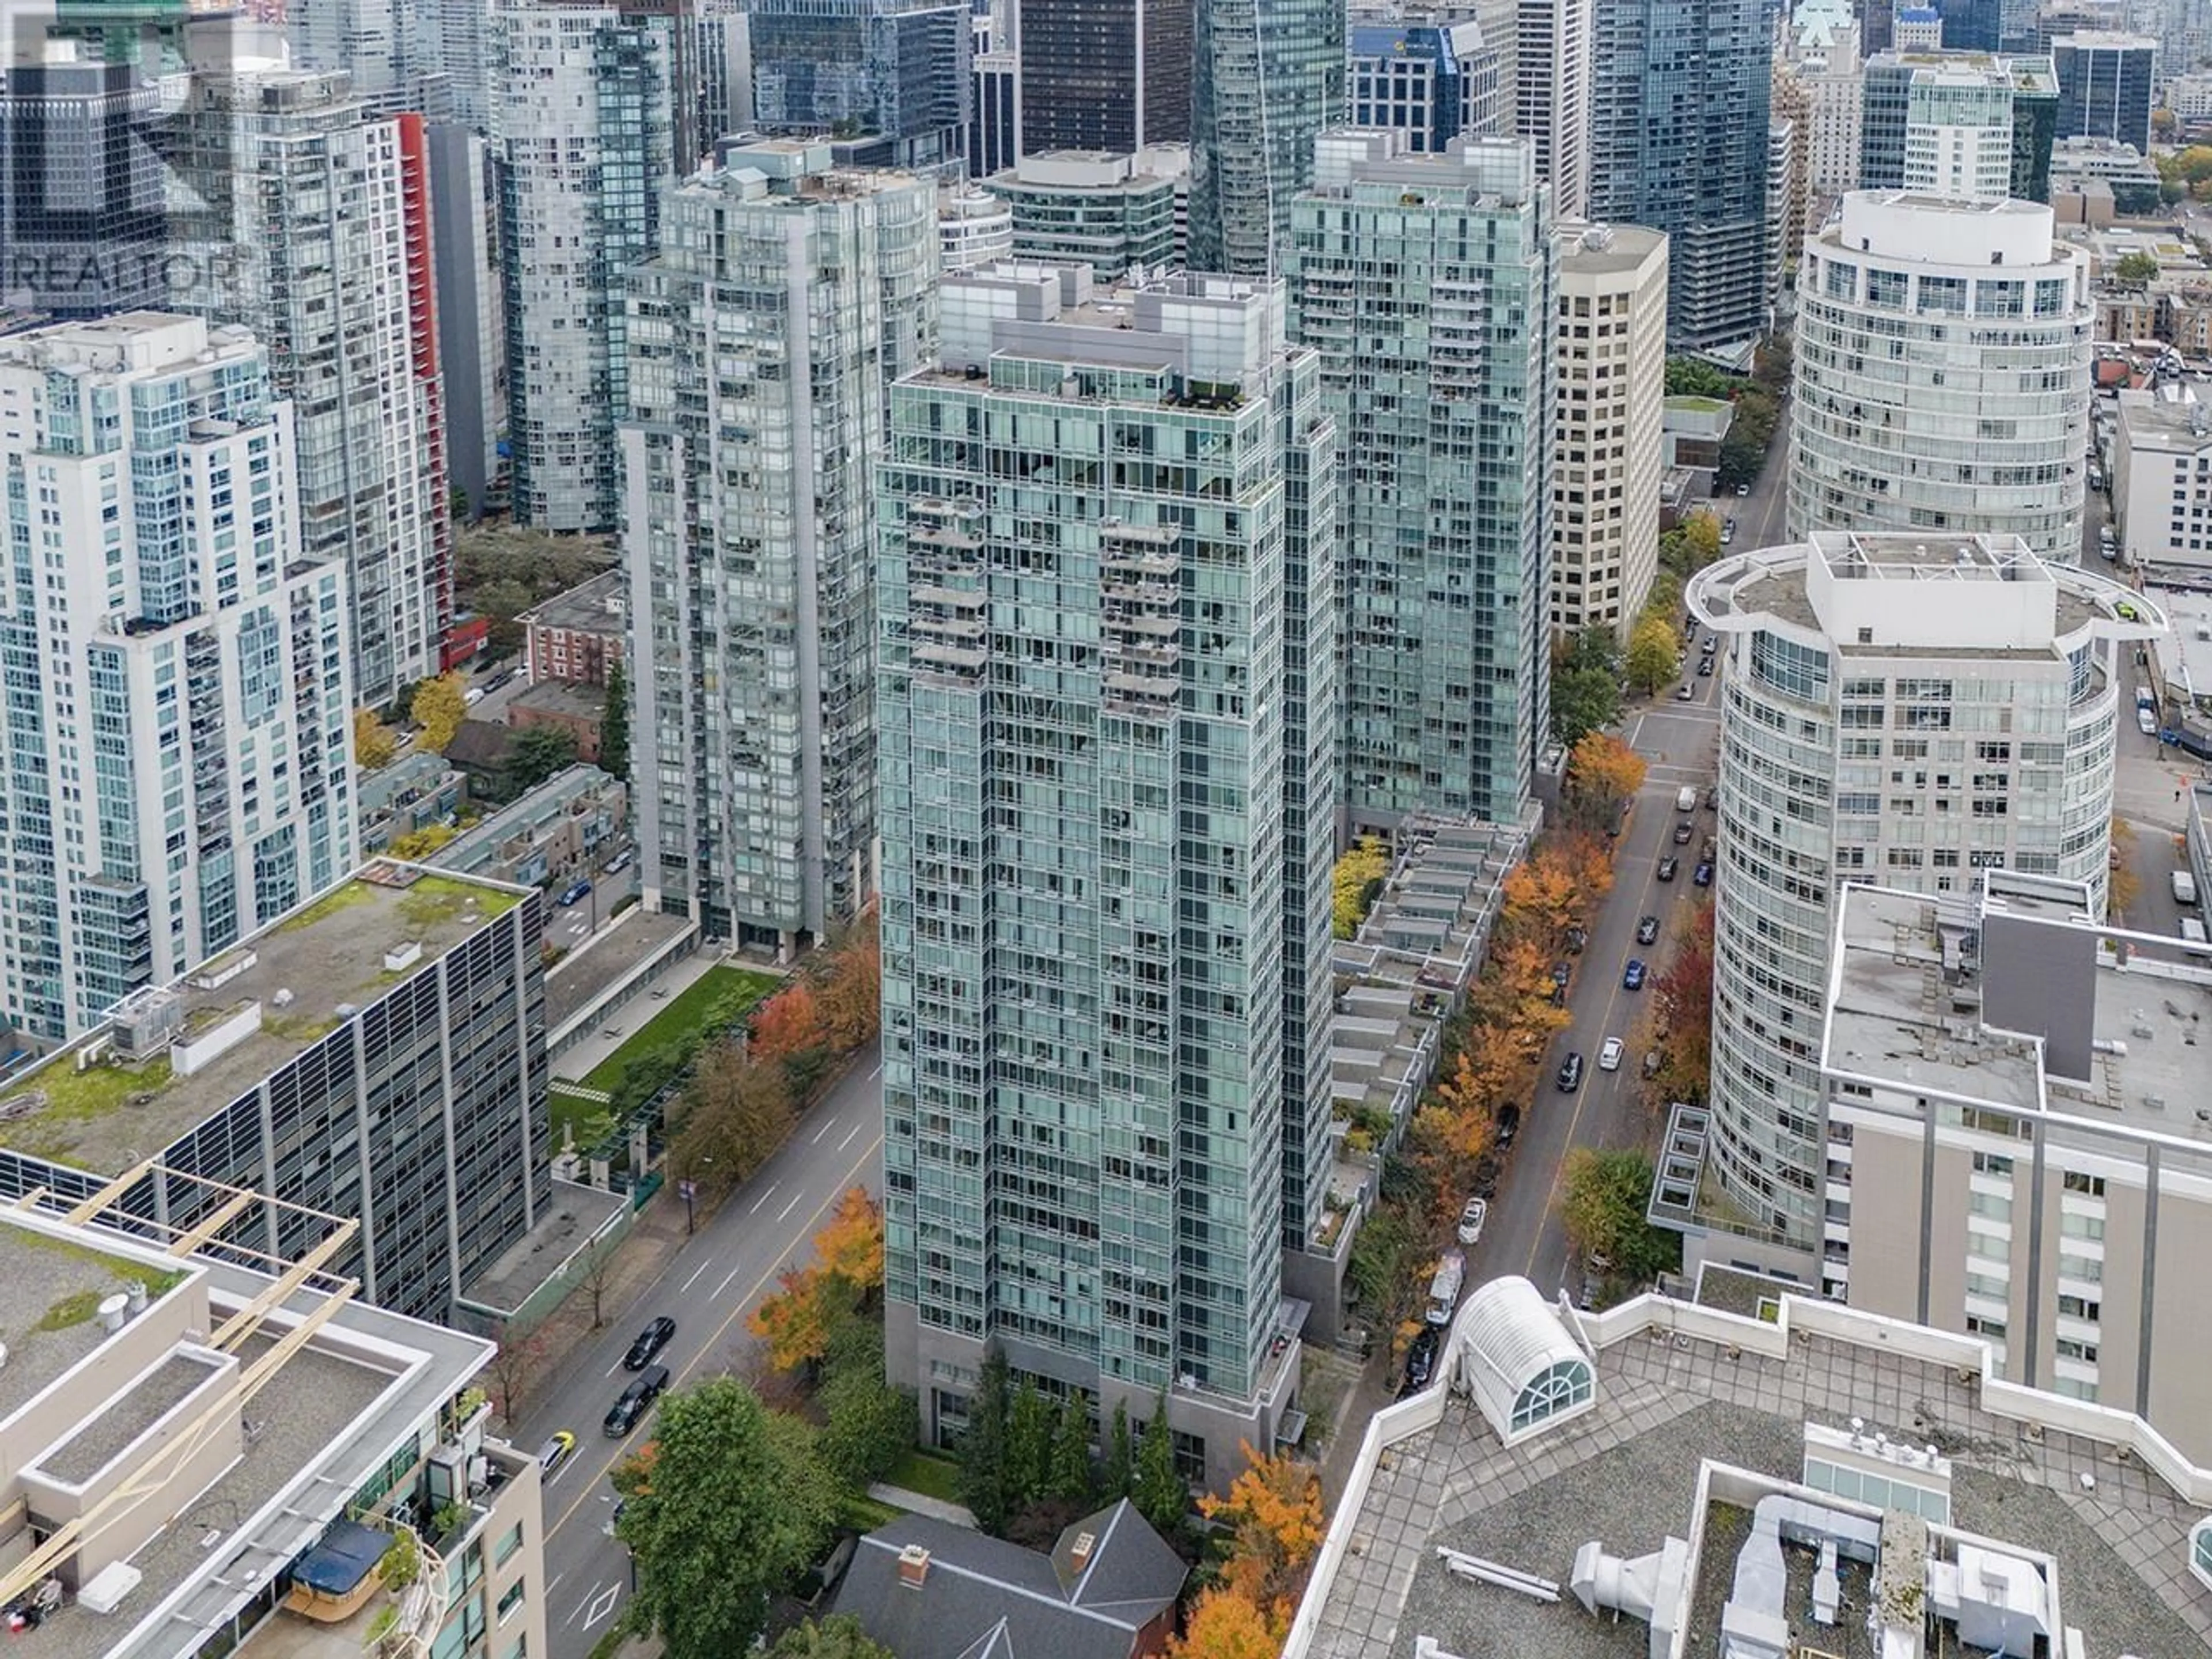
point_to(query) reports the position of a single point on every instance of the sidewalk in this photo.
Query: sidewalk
(1367, 1395)
(914, 1502)
(634, 1266)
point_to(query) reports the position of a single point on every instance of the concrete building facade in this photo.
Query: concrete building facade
(178, 759)
(1151, 1057)
(1116, 214)
(1611, 370)
(2162, 476)
(1552, 48)
(1942, 373)
(750, 538)
(1908, 708)
(1447, 440)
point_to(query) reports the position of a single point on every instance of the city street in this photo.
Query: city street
(709, 1287)
(1760, 517)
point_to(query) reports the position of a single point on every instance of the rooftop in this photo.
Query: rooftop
(1598, 249)
(1682, 1392)
(51, 1290)
(562, 697)
(305, 973)
(593, 606)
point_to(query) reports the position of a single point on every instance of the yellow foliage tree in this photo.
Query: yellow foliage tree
(1227, 1625)
(1702, 531)
(796, 1321)
(1541, 897)
(1654, 652)
(1274, 1507)
(1603, 774)
(440, 707)
(851, 1242)
(1365, 862)
(373, 744)
(419, 844)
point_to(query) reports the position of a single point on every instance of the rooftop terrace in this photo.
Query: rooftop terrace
(51, 1290)
(306, 973)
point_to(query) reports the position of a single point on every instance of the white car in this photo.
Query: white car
(2147, 722)
(1608, 1057)
(1471, 1219)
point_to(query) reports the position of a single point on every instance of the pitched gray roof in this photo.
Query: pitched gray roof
(984, 1598)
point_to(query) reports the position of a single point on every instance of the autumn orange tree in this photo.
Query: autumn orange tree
(1682, 1006)
(787, 1024)
(1226, 1625)
(798, 1320)
(1603, 775)
(849, 1004)
(1274, 1510)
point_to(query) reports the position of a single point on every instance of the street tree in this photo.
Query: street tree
(1654, 651)
(840, 1636)
(730, 1508)
(1585, 685)
(1682, 1005)
(374, 745)
(1602, 1199)
(440, 707)
(1603, 775)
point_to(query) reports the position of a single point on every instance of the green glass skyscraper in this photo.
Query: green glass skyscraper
(1105, 789)
(1268, 77)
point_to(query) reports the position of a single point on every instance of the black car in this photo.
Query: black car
(1667, 868)
(650, 1341)
(1705, 669)
(1421, 1359)
(1703, 875)
(1577, 941)
(1683, 832)
(1713, 798)
(1571, 1074)
(1647, 931)
(635, 1401)
(1509, 1124)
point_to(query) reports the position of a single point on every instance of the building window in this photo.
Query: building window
(1561, 1388)
(2081, 1308)
(2078, 1183)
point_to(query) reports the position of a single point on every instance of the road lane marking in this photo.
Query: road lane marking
(795, 1200)
(556, 1584)
(727, 1277)
(878, 1072)
(612, 1369)
(742, 1306)
(694, 1280)
(585, 1606)
(604, 1604)
(821, 1131)
(850, 1133)
(763, 1198)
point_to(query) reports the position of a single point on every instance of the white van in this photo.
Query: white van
(2185, 888)
(1686, 799)
(2192, 931)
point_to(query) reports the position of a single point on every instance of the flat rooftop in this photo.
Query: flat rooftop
(1894, 1017)
(583, 607)
(1626, 1473)
(49, 1295)
(329, 956)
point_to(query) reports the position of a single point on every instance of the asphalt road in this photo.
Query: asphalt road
(708, 1287)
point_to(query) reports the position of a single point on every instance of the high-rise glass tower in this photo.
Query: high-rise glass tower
(1679, 111)
(178, 745)
(1268, 77)
(83, 222)
(896, 70)
(1104, 74)
(325, 259)
(1959, 123)
(1446, 423)
(799, 293)
(2107, 85)
(1903, 710)
(1105, 601)
(583, 145)
(1942, 373)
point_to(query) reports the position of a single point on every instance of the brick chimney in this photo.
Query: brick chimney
(1079, 1558)
(913, 1567)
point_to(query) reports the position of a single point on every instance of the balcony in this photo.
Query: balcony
(340, 1606)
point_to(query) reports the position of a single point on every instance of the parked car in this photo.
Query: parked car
(1683, 832)
(1705, 669)
(1608, 1057)
(1509, 1124)
(650, 1341)
(1743, 489)
(1471, 1219)
(1571, 1074)
(618, 863)
(1577, 941)
(1667, 868)
(574, 892)
(1421, 1359)
(614, 1517)
(1685, 692)
(1647, 931)
(1712, 647)
(1713, 798)
(1631, 977)
(474, 696)
(555, 1452)
(635, 1401)
(1703, 875)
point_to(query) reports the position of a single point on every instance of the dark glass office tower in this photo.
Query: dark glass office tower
(82, 227)
(1110, 75)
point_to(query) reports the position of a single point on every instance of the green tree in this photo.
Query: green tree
(867, 1423)
(1585, 686)
(1070, 1478)
(538, 752)
(982, 1450)
(725, 1507)
(2136, 268)
(1602, 1200)
(1120, 1454)
(1654, 653)
(840, 1636)
(613, 726)
(1160, 1493)
(1028, 1443)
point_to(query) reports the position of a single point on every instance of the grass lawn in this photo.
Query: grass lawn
(720, 997)
(863, 1514)
(928, 1473)
(565, 1108)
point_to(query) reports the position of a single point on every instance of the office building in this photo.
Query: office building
(465, 254)
(1785, 206)
(2162, 476)
(178, 738)
(1437, 80)
(2107, 85)
(83, 214)
(2010, 1148)
(1807, 1478)
(1447, 439)
(218, 1444)
(1611, 366)
(1262, 91)
(750, 538)
(896, 71)
(1916, 29)
(1967, 124)
(1679, 142)
(1552, 48)
(973, 227)
(1820, 61)
(1104, 74)
(1117, 214)
(1152, 1057)
(1910, 417)
(582, 147)
(395, 53)
(326, 260)
(1910, 708)
(994, 133)
(292, 1064)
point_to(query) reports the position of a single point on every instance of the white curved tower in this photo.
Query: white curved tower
(1899, 710)
(1943, 368)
